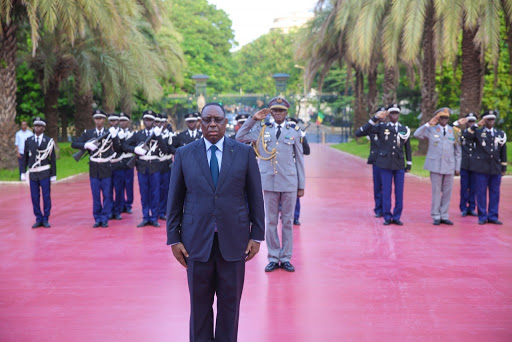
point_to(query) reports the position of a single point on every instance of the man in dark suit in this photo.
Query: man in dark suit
(215, 223)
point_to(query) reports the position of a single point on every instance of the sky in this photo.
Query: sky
(253, 18)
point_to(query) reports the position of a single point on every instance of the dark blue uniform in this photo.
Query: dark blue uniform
(122, 178)
(185, 138)
(148, 172)
(490, 160)
(165, 170)
(392, 144)
(467, 203)
(100, 172)
(41, 162)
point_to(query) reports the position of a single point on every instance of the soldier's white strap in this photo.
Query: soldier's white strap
(105, 145)
(42, 155)
(121, 157)
(102, 160)
(148, 157)
(40, 168)
(403, 136)
(501, 140)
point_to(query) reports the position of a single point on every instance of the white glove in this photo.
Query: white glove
(90, 146)
(53, 179)
(121, 134)
(157, 130)
(23, 177)
(140, 151)
(113, 131)
(302, 133)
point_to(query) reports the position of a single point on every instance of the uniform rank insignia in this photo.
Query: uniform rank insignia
(483, 143)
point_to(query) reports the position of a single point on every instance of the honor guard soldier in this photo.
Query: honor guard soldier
(306, 151)
(467, 203)
(147, 145)
(39, 157)
(240, 120)
(117, 174)
(443, 162)
(393, 139)
(102, 145)
(489, 164)
(126, 192)
(165, 165)
(281, 162)
(191, 133)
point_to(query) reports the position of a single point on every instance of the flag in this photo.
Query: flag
(319, 118)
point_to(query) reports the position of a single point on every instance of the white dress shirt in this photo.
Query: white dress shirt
(218, 153)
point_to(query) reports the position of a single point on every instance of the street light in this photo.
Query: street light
(200, 84)
(280, 80)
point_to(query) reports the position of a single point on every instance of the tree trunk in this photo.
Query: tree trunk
(8, 87)
(389, 86)
(107, 106)
(472, 81)
(64, 126)
(83, 104)
(360, 116)
(372, 92)
(51, 110)
(428, 67)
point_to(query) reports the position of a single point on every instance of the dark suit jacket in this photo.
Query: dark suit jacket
(490, 157)
(235, 206)
(29, 158)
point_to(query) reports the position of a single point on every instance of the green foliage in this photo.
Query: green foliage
(29, 96)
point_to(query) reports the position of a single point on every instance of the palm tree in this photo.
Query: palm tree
(71, 17)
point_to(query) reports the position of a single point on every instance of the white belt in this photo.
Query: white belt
(122, 156)
(40, 168)
(148, 157)
(101, 160)
(166, 157)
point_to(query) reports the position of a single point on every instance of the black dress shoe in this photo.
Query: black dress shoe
(96, 225)
(472, 213)
(378, 215)
(155, 224)
(398, 222)
(448, 222)
(482, 222)
(111, 216)
(437, 222)
(272, 266)
(117, 217)
(37, 224)
(296, 222)
(104, 224)
(128, 210)
(143, 223)
(464, 214)
(46, 224)
(495, 222)
(387, 222)
(287, 266)
(161, 217)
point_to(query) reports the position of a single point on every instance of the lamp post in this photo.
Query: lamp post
(200, 84)
(280, 80)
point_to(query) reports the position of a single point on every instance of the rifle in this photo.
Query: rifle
(78, 155)
(133, 159)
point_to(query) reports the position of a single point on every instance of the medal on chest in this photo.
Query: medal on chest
(386, 133)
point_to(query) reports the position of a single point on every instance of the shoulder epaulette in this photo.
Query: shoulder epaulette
(456, 129)
(263, 122)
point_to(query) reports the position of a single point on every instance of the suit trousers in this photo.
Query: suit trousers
(484, 182)
(377, 189)
(118, 184)
(467, 191)
(149, 185)
(165, 178)
(101, 211)
(128, 188)
(442, 186)
(222, 278)
(388, 177)
(35, 187)
(296, 214)
(278, 252)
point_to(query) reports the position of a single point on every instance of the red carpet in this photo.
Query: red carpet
(356, 279)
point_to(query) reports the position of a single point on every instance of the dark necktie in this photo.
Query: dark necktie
(38, 141)
(214, 165)
(278, 131)
(444, 131)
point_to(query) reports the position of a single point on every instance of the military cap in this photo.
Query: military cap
(148, 114)
(191, 117)
(490, 114)
(241, 118)
(380, 109)
(38, 121)
(292, 119)
(98, 113)
(113, 116)
(394, 108)
(279, 102)
(471, 117)
(444, 112)
(124, 117)
(158, 117)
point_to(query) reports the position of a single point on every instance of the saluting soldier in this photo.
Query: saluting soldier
(281, 163)
(393, 140)
(191, 133)
(102, 145)
(147, 145)
(39, 157)
(126, 189)
(165, 165)
(467, 203)
(240, 120)
(443, 162)
(489, 164)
